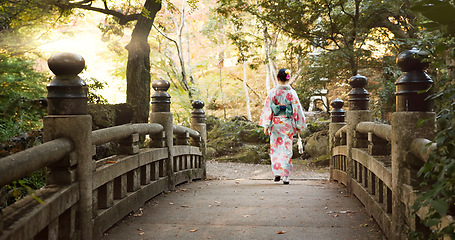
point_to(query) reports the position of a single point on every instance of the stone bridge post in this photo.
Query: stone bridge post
(161, 113)
(198, 124)
(67, 117)
(337, 122)
(358, 112)
(412, 89)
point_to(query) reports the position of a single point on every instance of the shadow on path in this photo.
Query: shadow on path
(250, 209)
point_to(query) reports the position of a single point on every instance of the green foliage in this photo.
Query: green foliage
(20, 85)
(439, 175)
(348, 30)
(230, 137)
(23, 187)
(438, 186)
(93, 85)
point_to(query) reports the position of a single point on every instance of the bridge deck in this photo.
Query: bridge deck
(250, 209)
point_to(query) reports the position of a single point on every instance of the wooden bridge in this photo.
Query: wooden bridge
(83, 198)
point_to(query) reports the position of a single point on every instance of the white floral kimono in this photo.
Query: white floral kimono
(282, 126)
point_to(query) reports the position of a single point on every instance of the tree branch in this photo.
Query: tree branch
(241, 80)
(123, 19)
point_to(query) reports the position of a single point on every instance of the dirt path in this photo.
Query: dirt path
(231, 170)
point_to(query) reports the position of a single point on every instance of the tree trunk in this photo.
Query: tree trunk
(247, 96)
(138, 66)
(267, 56)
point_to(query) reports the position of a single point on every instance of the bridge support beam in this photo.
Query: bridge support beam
(337, 122)
(161, 113)
(358, 112)
(67, 109)
(405, 165)
(412, 90)
(198, 124)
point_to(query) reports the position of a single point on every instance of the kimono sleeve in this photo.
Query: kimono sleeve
(298, 116)
(266, 115)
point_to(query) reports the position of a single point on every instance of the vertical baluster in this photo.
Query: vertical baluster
(120, 187)
(377, 145)
(106, 195)
(373, 184)
(389, 200)
(381, 191)
(67, 224)
(129, 145)
(145, 174)
(133, 180)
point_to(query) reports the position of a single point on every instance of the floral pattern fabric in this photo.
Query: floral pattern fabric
(282, 128)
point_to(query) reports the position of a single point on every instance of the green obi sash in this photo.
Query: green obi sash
(279, 110)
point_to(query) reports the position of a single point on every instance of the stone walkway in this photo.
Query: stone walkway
(245, 208)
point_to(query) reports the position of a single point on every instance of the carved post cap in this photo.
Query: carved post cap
(412, 88)
(337, 114)
(198, 113)
(337, 103)
(161, 100)
(412, 60)
(66, 63)
(198, 104)
(67, 92)
(358, 96)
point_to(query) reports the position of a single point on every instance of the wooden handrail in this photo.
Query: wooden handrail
(422, 147)
(381, 130)
(341, 131)
(116, 133)
(181, 130)
(23, 163)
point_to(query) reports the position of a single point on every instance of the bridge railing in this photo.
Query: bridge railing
(83, 197)
(379, 162)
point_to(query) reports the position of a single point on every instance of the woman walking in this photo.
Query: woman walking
(282, 117)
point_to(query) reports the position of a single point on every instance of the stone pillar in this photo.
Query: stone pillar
(358, 112)
(337, 116)
(67, 117)
(412, 107)
(198, 124)
(161, 113)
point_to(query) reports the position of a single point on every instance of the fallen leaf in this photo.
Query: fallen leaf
(261, 198)
(336, 215)
(111, 161)
(183, 190)
(281, 232)
(141, 233)
(193, 230)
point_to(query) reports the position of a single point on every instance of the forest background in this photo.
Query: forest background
(227, 53)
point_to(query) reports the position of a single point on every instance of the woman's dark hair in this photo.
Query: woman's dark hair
(282, 75)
